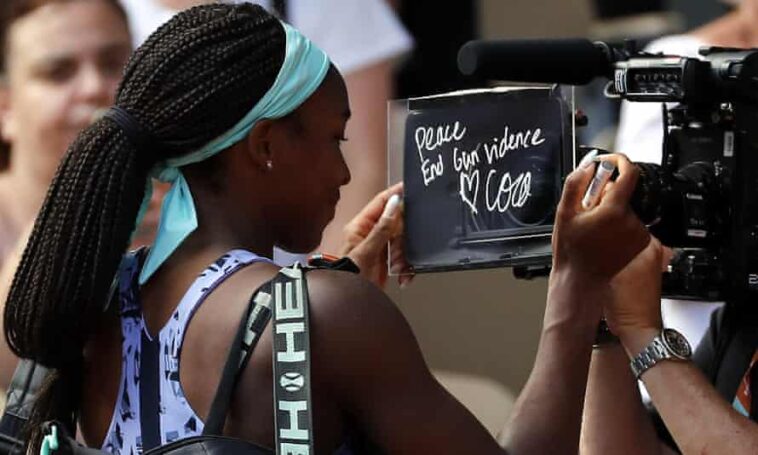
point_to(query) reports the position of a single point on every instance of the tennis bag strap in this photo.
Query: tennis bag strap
(285, 300)
(248, 334)
(292, 363)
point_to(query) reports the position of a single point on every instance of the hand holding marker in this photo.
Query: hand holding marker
(603, 174)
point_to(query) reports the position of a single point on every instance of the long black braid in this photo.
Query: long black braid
(192, 80)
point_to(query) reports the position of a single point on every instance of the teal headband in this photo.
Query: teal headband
(305, 67)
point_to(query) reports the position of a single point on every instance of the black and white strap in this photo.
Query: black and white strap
(291, 361)
(286, 299)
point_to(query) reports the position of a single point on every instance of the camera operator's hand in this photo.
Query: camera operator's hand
(635, 303)
(590, 246)
(598, 243)
(368, 234)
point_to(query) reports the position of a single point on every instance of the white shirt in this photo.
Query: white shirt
(354, 33)
(640, 137)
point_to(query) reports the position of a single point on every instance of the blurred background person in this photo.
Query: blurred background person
(60, 64)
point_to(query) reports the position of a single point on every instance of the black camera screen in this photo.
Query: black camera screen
(483, 174)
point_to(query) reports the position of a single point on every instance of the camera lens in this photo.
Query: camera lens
(646, 199)
(678, 207)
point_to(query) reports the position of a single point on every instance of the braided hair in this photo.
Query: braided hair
(192, 80)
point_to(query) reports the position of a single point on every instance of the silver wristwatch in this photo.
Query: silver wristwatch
(669, 344)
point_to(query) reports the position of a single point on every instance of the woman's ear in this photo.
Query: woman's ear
(260, 145)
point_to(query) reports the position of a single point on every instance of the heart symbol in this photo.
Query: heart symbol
(469, 187)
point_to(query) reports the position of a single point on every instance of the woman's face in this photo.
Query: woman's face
(64, 61)
(751, 6)
(311, 166)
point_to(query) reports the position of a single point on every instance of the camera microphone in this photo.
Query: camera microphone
(565, 61)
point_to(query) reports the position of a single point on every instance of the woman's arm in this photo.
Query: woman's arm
(547, 415)
(377, 373)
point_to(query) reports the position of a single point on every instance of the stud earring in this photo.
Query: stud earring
(269, 165)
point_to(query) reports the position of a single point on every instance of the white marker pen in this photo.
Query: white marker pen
(602, 175)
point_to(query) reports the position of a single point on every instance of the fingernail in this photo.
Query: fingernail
(588, 159)
(391, 206)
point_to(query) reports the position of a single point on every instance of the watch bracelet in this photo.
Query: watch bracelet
(649, 357)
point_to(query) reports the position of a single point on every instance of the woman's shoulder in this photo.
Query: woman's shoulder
(347, 307)
(332, 290)
(341, 304)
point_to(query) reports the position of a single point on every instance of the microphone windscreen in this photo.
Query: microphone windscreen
(567, 61)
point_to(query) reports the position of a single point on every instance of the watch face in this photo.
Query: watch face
(676, 342)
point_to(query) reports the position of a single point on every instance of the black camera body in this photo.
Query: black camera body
(703, 198)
